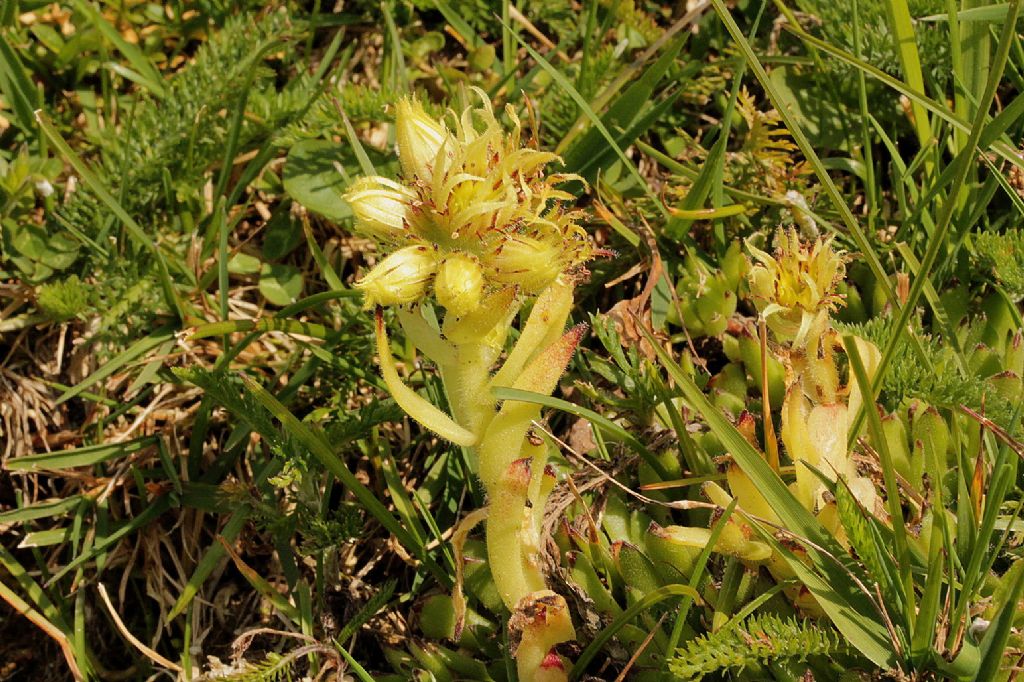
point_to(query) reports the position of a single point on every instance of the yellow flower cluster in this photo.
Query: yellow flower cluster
(474, 213)
(795, 290)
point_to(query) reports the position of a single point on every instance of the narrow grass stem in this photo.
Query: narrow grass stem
(892, 497)
(963, 164)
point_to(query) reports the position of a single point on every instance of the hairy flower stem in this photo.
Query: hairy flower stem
(510, 461)
(476, 224)
(463, 380)
(510, 541)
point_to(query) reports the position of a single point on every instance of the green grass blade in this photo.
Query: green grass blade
(149, 514)
(79, 457)
(963, 162)
(866, 539)
(320, 449)
(40, 510)
(290, 310)
(711, 173)
(18, 91)
(508, 47)
(928, 616)
(699, 572)
(33, 590)
(453, 17)
(678, 168)
(628, 73)
(393, 40)
(146, 72)
(584, 106)
(845, 602)
(45, 538)
(205, 567)
(354, 665)
(598, 420)
(871, 188)
(1004, 183)
(405, 509)
(231, 146)
(981, 555)
(220, 219)
(326, 269)
(597, 156)
(365, 164)
(624, 110)
(892, 497)
(148, 375)
(262, 325)
(1005, 150)
(260, 584)
(863, 633)
(859, 238)
(994, 644)
(134, 351)
(976, 48)
(994, 12)
(941, 317)
(902, 26)
(650, 599)
(58, 634)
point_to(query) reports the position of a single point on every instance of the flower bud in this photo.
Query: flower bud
(419, 138)
(797, 284)
(528, 262)
(400, 278)
(459, 284)
(380, 207)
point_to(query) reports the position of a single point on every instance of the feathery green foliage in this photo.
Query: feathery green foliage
(752, 644)
(878, 46)
(64, 299)
(1003, 255)
(368, 610)
(273, 668)
(168, 146)
(938, 383)
(228, 391)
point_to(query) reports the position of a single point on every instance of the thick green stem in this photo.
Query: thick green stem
(511, 465)
(510, 551)
(502, 442)
(465, 381)
(415, 405)
(543, 478)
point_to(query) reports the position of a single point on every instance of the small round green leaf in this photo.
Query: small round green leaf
(282, 235)
(280, 284)
(312, 178)
(244, 264)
